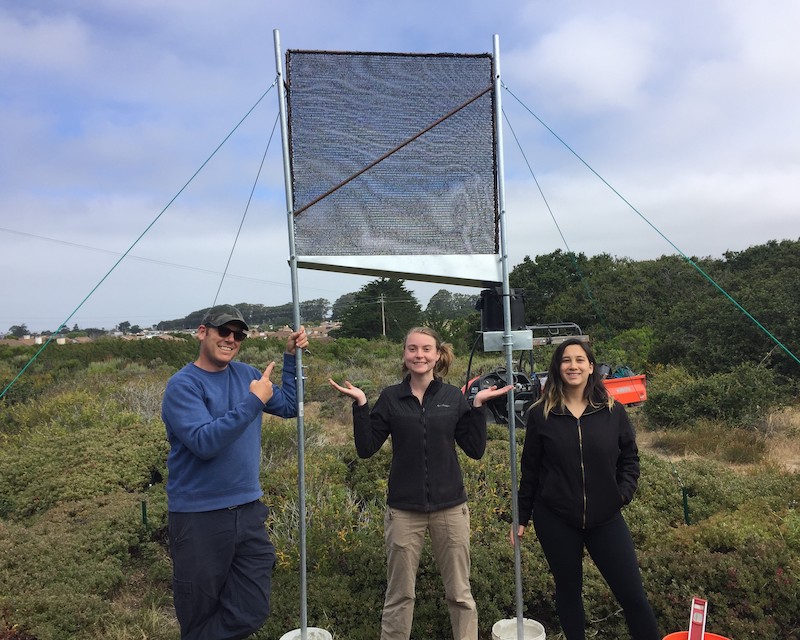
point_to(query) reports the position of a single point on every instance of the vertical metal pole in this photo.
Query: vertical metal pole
(383, 317)
(301, 476)
(508, 342)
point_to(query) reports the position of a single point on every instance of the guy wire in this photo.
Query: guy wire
(642, 216)
(129, 249)
(246, 208)
(596, 307)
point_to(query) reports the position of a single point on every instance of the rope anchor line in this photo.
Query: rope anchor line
(656, 229)
(135, 242)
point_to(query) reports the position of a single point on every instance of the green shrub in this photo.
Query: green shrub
(629, 348)
(78, 446)
(736, 562)
(60, 572)
(677, 398)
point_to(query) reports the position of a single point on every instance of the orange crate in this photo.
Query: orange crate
(629, 391)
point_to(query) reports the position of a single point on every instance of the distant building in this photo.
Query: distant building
(314, 332)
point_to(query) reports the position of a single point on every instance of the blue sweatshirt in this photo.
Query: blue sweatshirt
(214, 429)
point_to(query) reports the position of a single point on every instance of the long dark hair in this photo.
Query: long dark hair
(595, 391)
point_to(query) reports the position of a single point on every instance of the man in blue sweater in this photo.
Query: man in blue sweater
(221, 552)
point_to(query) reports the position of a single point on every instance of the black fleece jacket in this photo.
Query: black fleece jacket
(583, 469)
(425, 474)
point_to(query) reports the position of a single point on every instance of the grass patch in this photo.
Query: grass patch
(711, 439)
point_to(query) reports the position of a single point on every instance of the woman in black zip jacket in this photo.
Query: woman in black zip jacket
(426, 418)
(580, 466)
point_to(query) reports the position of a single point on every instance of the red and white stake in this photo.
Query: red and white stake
(697, 619)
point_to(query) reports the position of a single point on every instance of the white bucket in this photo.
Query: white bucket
(312, 633)
(507, 629)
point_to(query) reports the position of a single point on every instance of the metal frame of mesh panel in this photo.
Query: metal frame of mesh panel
(393, 166)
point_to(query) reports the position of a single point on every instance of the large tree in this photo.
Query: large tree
(544, 279)
(19, 330)
(706, 329)
(315, 310)
(448, 306)
(693, 321)
(383, 307)
(342, 304)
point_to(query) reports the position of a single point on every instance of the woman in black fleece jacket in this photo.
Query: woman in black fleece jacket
(426, 418)
(580, 466)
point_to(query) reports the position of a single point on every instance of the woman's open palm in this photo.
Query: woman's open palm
(349, 390)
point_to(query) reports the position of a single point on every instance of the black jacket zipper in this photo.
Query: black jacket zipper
(583, 473)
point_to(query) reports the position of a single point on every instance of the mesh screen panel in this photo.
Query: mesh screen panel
(434, 196)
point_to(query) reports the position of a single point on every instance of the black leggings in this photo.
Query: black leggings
(611, 547)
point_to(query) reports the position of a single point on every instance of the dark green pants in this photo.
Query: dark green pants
(222, 564)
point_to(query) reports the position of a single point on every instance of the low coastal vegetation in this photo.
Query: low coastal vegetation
(83, 509)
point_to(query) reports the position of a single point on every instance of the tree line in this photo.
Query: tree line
(705, 314)
(697, 321)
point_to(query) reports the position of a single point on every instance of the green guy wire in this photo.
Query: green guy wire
(135, 242)
(652, 226)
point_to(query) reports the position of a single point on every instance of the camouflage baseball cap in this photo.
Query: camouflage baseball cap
(222, 314)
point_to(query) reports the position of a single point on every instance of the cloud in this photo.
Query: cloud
(588, 64)
(32, 40)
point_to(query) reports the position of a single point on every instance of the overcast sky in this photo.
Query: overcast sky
(687, 109)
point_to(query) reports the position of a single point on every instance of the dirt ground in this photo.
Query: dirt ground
(780, 431)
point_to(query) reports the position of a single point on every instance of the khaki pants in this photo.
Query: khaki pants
(404, 532)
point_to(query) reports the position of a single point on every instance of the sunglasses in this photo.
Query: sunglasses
(224, 332)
